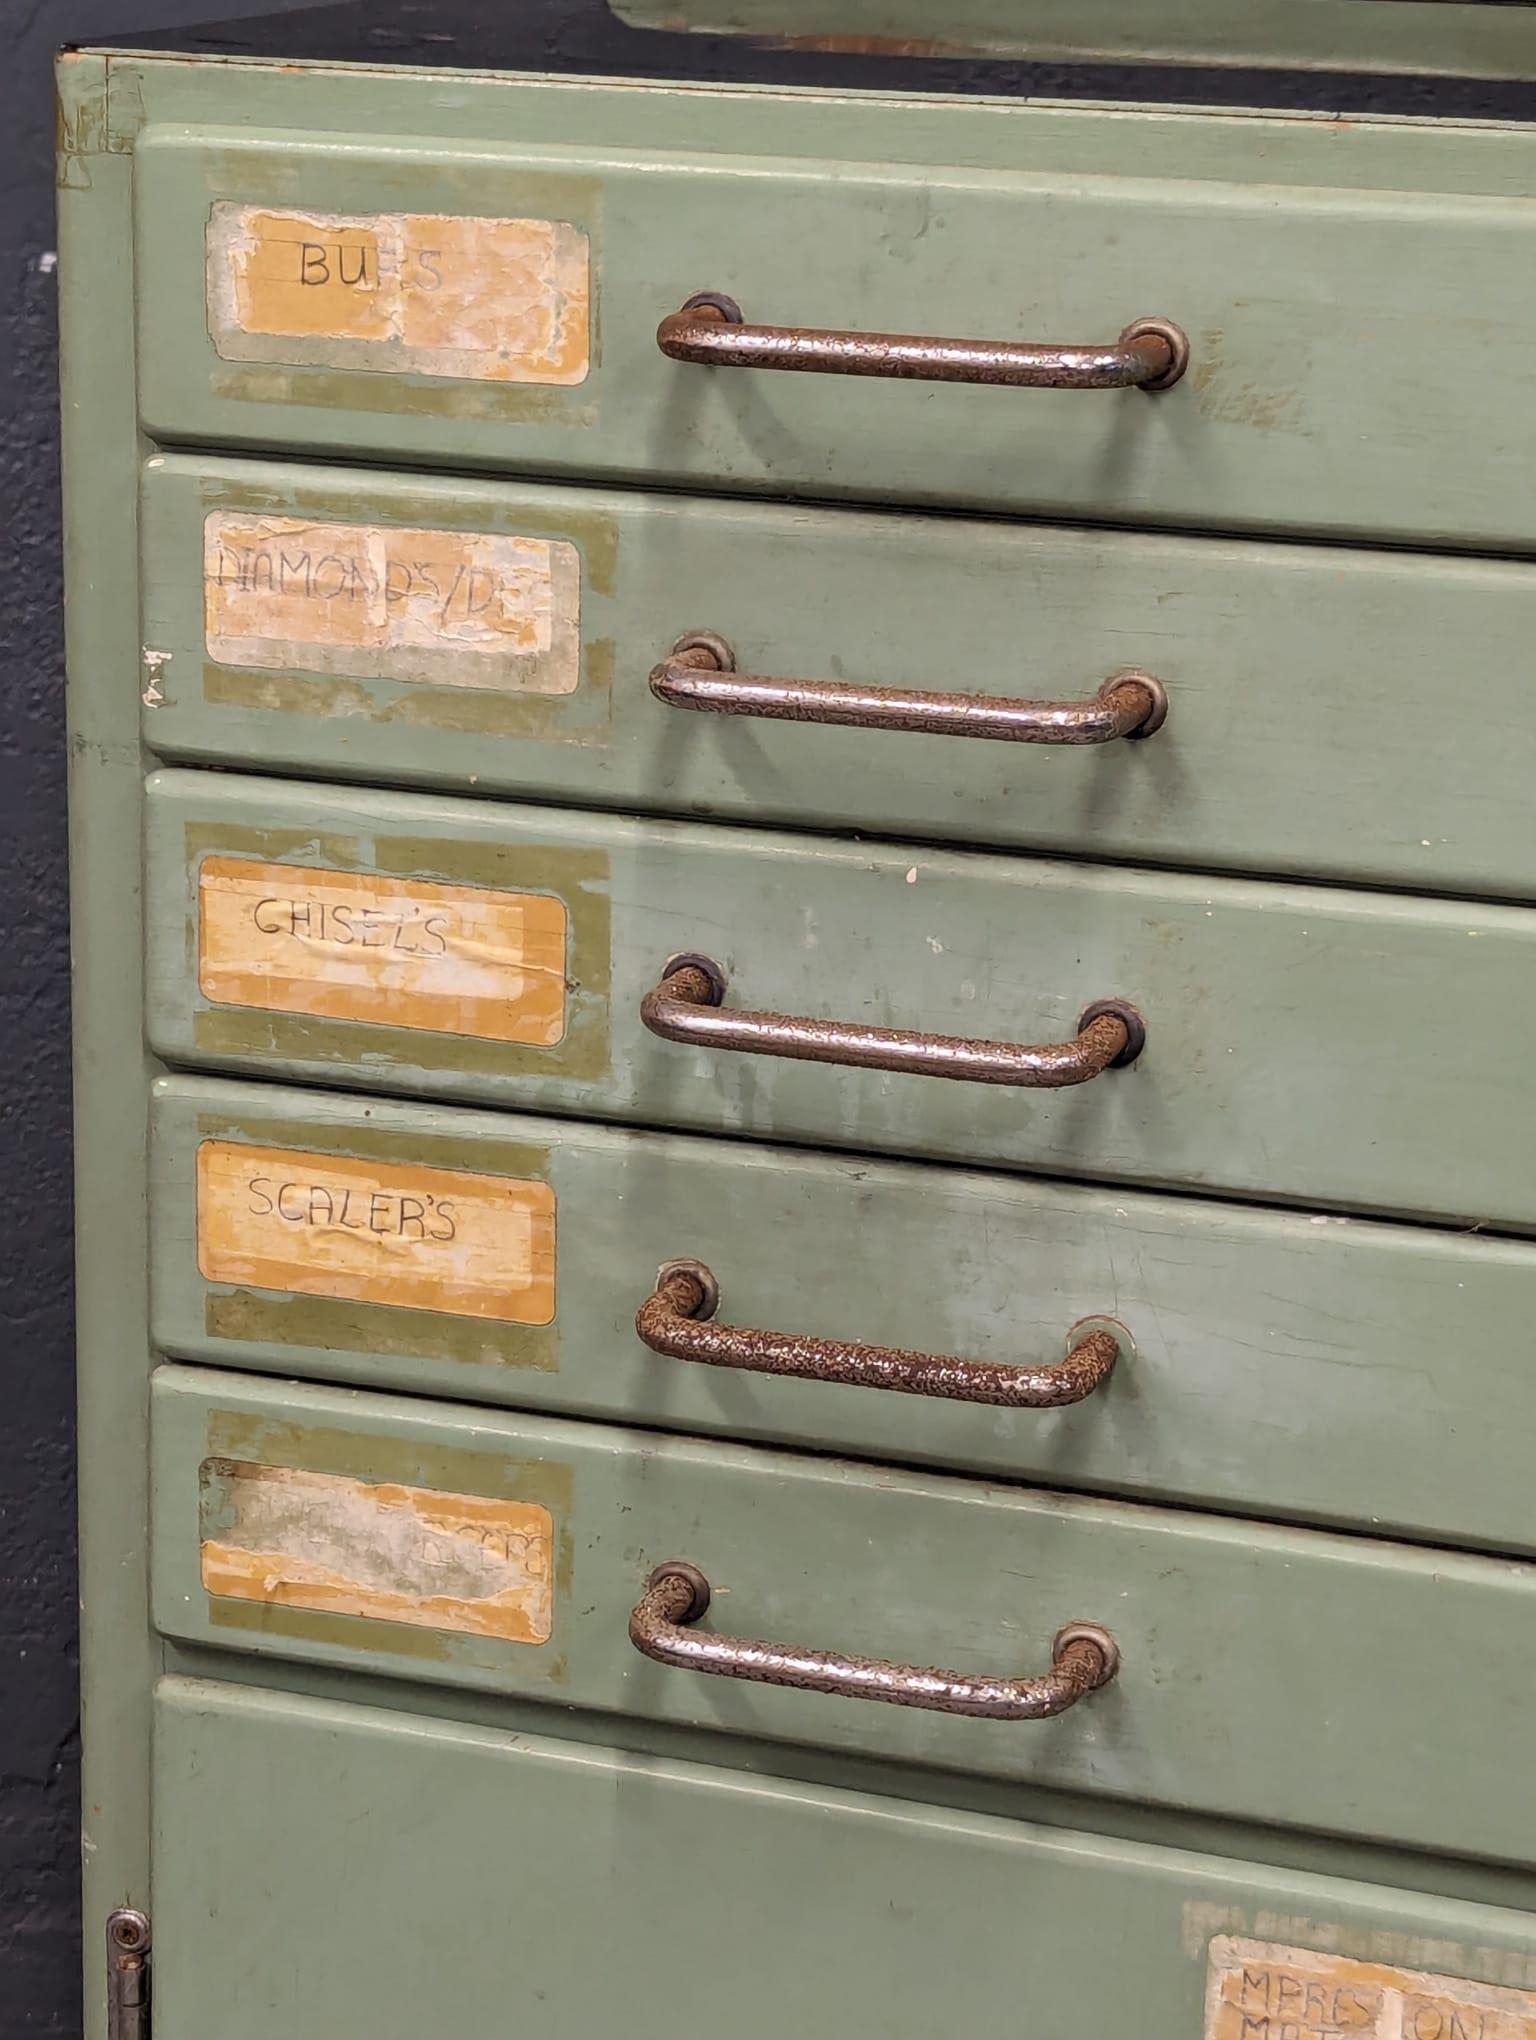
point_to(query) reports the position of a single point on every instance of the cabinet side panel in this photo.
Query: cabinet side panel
(100, 460)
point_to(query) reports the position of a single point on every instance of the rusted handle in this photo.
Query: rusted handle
(677, 1319)
(700, 673)
(1083, 1658)
(1151, 354)
(686, 1006)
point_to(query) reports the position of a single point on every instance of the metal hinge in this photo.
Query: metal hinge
(128, 1945)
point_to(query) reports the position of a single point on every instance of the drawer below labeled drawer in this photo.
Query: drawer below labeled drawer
(499, 636)
(1289, 1677)
(1268, 1363)
(413, 1876)
(1348, 1049)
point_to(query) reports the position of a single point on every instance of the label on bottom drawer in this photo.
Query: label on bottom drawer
(344, 945)
(374, 1232)
(291, 1538)
(1258, 1991)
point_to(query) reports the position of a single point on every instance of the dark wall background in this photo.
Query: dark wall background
(39, 1717)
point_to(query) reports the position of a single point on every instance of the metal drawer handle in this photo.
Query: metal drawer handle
(1151, 354)
(685, 1006)
(677, 1319)
(1083, 1658)
(700, 672)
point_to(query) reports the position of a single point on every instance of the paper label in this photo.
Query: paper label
(446, 608)
(480, 300)
(447, 959)
(421, 1239)
(1258, 1991)
(294, 1539)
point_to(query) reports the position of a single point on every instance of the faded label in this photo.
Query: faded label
(481, 300)
(401, 952)
(447, 608)
(294, 1539)
(1258, 1991)
(420, 1239)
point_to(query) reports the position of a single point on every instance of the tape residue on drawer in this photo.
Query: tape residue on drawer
(376, 1232)
(1260, 1991)
(342, 945)
(292, 1538)
(448, 608)
(476, 299)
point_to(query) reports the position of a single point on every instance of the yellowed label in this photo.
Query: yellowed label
(420, 1239)
(448, 608)
(1258, 1991)
(482, 300)
(401, 952)
(294, 1539)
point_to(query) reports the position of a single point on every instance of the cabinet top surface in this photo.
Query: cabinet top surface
(588, 40)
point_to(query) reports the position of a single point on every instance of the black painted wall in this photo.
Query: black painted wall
(39, 1734)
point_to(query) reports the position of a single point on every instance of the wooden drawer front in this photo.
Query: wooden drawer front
(1271, 1364)
(1463, 39)
(820, 1911)
(467, 633)
(504, 1554)
(1300, 1043)
(1311, 409)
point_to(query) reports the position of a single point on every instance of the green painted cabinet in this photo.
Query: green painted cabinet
(1280, 1364)
(497, 637)
(1301, 1042)
(599, 1891)
(486, 1630)
(1287, 1677)
(1324, 412)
